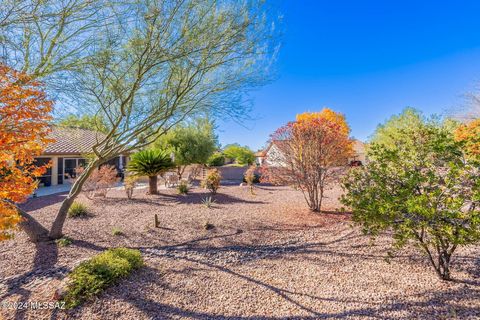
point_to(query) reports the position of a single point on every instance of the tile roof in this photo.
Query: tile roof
(72, 140)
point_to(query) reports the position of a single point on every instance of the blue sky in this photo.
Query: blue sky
(368, 60)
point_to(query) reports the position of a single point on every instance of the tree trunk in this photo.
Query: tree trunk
(444, 266)
(56, 231)
(34, 230)
(152, 185)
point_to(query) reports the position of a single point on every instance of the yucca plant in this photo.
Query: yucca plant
(151, 163)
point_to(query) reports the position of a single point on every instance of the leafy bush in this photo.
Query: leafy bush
(241, 155)
(77, 209)
(216, 160)
(64, 242)
(117, 231)
(129, 184)
(93, 276)
(250, 177)
(420, 186)
(183, 187)
(212, 180)
(100, 181)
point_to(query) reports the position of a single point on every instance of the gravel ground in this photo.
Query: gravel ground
(266, 258)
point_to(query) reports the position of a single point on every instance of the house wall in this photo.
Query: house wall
(56, 173)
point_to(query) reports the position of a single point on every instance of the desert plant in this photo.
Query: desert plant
(250, 176)
(151, 163)
(183, 187)
(216, 160)
(422, 188)
(93, 276)
(129, 184)
(64, 242)
(100, 181)
(309, 153)
(117, 231)
(212, 180)
(208, 202)
(78, 209)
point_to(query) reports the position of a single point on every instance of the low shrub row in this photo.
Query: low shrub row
(93, 276)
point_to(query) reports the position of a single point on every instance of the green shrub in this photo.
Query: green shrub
(77, 210)
(93, 276)
(117, 232)
(212, 180)
(183, 187)
(64, 242)
(216, 160)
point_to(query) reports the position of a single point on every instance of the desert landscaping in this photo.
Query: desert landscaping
(266, 257)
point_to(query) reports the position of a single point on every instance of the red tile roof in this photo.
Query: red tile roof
(72, 140)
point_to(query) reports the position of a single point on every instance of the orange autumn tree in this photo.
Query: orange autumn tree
(469, 134)
(24, 115)
(308, 153)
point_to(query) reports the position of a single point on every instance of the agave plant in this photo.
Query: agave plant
(151, 163)
(208, 202)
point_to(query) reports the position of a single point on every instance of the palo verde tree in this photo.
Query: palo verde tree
(166, 62)
(143, 66)
(308, 153)
(85, 121)
(24, 117)
(422, 187)
(191, 143)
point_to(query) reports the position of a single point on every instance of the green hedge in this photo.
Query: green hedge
(93, 276)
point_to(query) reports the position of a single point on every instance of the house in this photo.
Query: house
(273, 156)
(70, 151)
(260, 157)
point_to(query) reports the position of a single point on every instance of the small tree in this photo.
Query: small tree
(421, 188)
(24, 115)
(242, 155)
(212, 180)
(216, 160)
(469, 135)
(100, 181)
(308, 153)
(190, 144)
(250, 177)
(150, 163)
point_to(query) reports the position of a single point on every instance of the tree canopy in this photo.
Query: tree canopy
(308, 153)
(420, 186)
(190, 143)
(85, 121)
(24, 126)
(241, 155)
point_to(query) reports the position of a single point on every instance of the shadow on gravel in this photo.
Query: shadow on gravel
(196, 198)
(441, 304)
(46, 256)
(41, 202)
